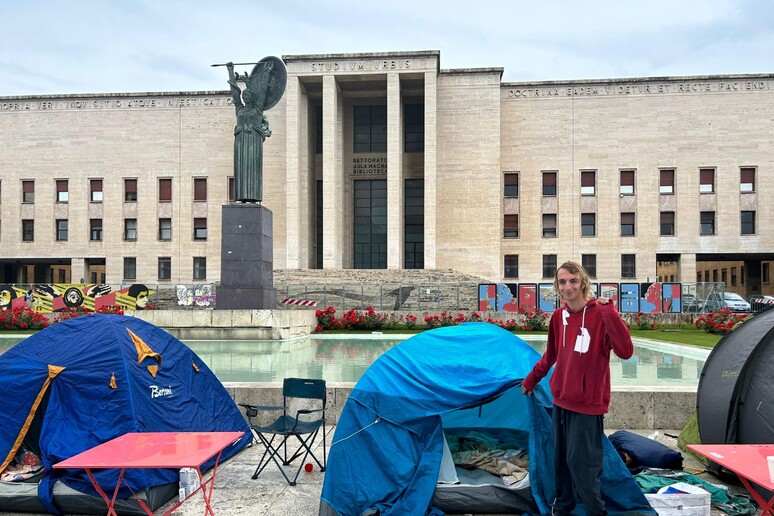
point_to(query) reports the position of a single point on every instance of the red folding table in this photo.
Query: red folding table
(749, 463)
(154, 450)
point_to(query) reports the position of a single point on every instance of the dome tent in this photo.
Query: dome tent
(82, 382)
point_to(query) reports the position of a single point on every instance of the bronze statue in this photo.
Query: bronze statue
(264, 88)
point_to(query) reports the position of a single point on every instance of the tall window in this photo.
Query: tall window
(549, 184)
(199, 267)
(318, 190)
(61, 190)
(165, 267)
(707, 219)
(95, 190)
(667, 223)
(130, 229)
(511, 184)
(414, 224)
(200, 228)
(165, 229)
(61, 230)
(589, 262)
(95, 230)
(588, 224)
(130, 190)
(707, 180)
(511, 266)
(28, 191)
(765, 273)
(318, 133)
(666, 181)
(130, 268)
(370, 129)
(627, 182)
(511, 226)
(370, 224)
(628, 266)
(549, 265)
(414, 128)
(549, 225)
(733, 276)
(200, 189)
(748, 222)
(627, 224)
(747, 179)
(28, 230)
(165, 190)
(588, 182)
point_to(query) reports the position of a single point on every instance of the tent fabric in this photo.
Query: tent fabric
(388, 443)
(83, 409)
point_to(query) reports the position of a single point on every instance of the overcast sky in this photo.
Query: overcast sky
(90, 46)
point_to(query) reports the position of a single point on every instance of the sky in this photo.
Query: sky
(114, 46)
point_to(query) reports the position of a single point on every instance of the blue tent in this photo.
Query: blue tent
(389, 440)
(82, 382)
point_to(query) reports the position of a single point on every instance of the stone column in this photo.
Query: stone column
(333, 176)
(395, 175)
(687, 268)
(431, 182)
(295, 209)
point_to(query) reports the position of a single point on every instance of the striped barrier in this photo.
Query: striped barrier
(298, 302)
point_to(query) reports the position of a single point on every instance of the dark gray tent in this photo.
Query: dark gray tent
(735, 399)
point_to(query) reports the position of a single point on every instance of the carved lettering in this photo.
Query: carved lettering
(639, 88)
(369, 165)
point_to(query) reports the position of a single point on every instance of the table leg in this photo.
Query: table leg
(111, 502)
(767, 509)
(205, 493)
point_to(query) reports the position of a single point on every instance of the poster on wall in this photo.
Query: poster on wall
(610, 291)
(671, 299)
(650, 298)
(549, 300)
(630, 298)
(487, 297)
(507, 300)
(58, 297)
(528, 295)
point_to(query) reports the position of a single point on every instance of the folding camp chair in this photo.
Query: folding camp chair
(286, 427)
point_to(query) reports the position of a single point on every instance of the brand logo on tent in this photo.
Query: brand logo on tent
(158, 392)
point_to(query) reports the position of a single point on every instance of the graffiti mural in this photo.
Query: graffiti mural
(199, 295)
(55, 297)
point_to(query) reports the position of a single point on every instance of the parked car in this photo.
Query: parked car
(735, 302)
(692, 304)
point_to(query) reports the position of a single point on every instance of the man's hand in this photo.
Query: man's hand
(525, 391)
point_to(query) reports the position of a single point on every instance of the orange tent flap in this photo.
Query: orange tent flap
(195, 367)
(113, 384)
(153, 369)
(143, 350)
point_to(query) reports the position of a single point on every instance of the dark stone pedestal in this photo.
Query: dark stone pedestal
(246, 261)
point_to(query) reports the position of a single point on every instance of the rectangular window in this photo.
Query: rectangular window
(318, 133)
(748, 222)
(370, 129)
(765, 272)
(165, 268)
(200, 228)
(511, 184)
(707, 276)
(95, 189)
(165, 229)
(707, 180)
(231, 197)
(414, 128)
(747, 179)
(130, 190)
(549, 225)
(511, 226)
(589, 262)
(28, 230)
(200, 189)
(61, 190)
(28, 191)
(627, 182)
(165, 190)
(413, 223)
(549, 265)
(628, 266)
(130, 268)
(588, 224)
(511, 265)
(61, 230)
(733, 276)
(588, 182)
(549, 184)
(95, 230)
(667, 223)
(667, 181)
(723, 276)
(199, 268)
(707, 219)
(627, 224)
(130, 229)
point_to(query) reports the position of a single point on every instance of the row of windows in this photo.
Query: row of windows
(165, 268)
(626, 181)
(589, 262)
(130, 190)
(130, 229)
(370, 128)
(588, 224)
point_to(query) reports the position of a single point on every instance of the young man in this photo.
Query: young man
(580, 337)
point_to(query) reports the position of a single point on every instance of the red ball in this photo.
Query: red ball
(308, 467)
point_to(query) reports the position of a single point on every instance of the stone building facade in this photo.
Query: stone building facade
(387, 161)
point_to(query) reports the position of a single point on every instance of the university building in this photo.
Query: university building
(387, 161)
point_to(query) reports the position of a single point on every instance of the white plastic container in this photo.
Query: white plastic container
(189, 482)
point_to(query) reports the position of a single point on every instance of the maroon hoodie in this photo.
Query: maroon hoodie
(579, 343)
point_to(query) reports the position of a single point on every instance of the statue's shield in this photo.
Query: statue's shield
(269, 73)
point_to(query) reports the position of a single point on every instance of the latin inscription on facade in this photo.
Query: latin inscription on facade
(114, 103)
(657, 88)
(369, 165)
(361, 66)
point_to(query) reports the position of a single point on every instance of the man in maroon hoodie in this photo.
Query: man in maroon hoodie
(580, 337)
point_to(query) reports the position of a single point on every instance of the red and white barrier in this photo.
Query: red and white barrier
(298, 302)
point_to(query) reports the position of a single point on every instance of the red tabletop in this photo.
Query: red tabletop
(746, 460)
(153, 450)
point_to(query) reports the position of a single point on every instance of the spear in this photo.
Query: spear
(235, 64)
